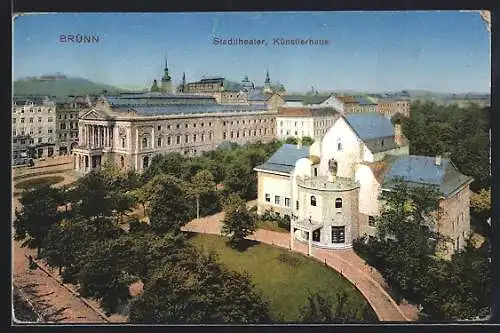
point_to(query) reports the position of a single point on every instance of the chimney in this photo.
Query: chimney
(299, 143)
(438, 160)
(398, 134)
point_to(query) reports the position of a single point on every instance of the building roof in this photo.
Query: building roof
(257, 95)
(297, 111)
(284, 159)
(315, 99)
(347, 99)
(381, 144)
(370, 125)
(364, 101)
(423, 170)
(191, 109)
(293, 98)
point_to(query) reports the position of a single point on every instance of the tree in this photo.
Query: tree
(169, 208)
(95, 195)
(202, 183)
(101, 275)
(198, 290)
(37, 215)
(68, 241)
(307, 141)
(238, 221)
(291, 140)
(323, 309)
(480, 202)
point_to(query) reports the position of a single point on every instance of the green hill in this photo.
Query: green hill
(61, 87)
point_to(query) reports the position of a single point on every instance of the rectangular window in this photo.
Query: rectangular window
(371, 221)
(186, 138)
(178, 139)
(268, 197)
(287, 202)
(297, 204)
(277, 199)
(315, 172)
(169, 141)
(338, 235)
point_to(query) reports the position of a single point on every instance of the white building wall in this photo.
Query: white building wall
(368, 192)
(276, 187)
(348, 156)
(332, 101)
(288, 126)
(294, 104)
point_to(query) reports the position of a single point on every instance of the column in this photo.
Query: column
(310, 244)
(292, 230)
(152, 138)
(136, 140)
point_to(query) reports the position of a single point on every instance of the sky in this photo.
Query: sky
(439, 51)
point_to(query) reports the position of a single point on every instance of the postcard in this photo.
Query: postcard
(251, 167)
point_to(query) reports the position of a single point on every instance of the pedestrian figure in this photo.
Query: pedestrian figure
(31, 263)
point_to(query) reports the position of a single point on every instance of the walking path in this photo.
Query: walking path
(368, 281)
(55, 302)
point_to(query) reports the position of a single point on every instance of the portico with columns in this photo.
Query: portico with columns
(96, 139)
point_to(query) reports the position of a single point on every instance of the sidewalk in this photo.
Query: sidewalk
(368, 281)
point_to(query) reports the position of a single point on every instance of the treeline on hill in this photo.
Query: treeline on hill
(85, 240)
(455, 289)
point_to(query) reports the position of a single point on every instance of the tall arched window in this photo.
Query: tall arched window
(338, 203)
(313, 200)
(159, 141)
(144, 142)
(145, 162)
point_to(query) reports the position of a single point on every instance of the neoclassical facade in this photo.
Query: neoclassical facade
(331, 190)
(130, 130)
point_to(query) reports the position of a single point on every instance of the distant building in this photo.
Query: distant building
(33, 127)
(166, 82)
(350, 103)
(364, 105)
(389, 107)
(129, 130)
(330, 191)
(298, 122)
(67, 114)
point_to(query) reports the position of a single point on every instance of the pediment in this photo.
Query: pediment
(94, 114)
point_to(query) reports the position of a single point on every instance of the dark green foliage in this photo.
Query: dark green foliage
(446, 290)
(199, 290)
(321, 309)
(238, 221)
(463, 132)
(169, 207)
(37, 215)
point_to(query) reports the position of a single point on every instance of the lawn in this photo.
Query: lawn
(29, 183)
(285, 278)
